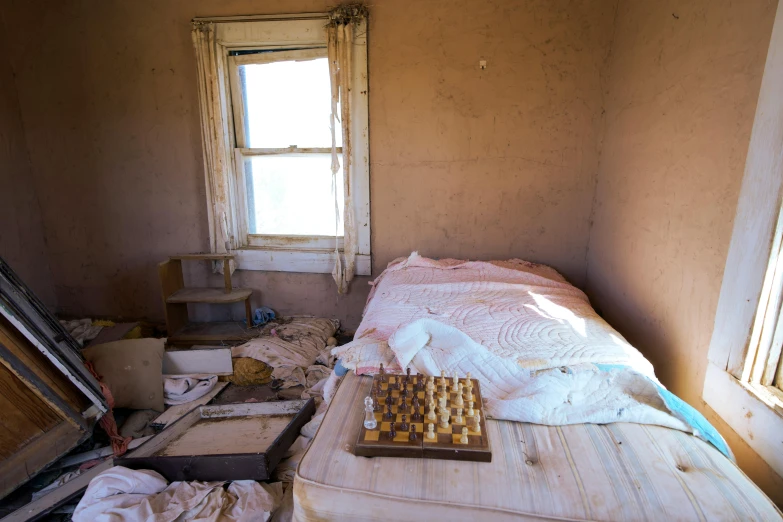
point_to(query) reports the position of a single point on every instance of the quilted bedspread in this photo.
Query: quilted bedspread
(538, 348)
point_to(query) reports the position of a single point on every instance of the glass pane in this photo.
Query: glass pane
(287, 103)
(292, 195)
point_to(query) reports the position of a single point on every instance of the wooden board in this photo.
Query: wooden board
(227, 442)
(446, 445)
(208, 295)
(208, 360)
(178, 411)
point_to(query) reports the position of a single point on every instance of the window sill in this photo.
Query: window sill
(306, 261)
(748, 412)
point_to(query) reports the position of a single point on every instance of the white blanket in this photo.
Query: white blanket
(123, 495)
(538, 348)
(185, 389)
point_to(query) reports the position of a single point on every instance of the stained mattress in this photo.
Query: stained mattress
(617, 471)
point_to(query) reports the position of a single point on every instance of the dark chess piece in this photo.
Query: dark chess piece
(392, 432)
(404, 392)
(381, 371)
(389, 398)
(388, 415)
(416, 417)
(419, 382)
(415, 402)
(404, 423)
(412, 434)
(376, 406)
(403, 405)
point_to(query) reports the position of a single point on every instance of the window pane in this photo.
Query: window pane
(287, 103)
(292, 195)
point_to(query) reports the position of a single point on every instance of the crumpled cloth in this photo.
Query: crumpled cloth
(120, 494)
(181, 390)
(82, 330)
(293, 349)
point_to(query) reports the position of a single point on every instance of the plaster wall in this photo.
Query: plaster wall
(684, 78)
(21, 231)
(464, 163)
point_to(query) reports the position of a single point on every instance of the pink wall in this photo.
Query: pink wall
(21, 231)
(684, 79)
(492, 164)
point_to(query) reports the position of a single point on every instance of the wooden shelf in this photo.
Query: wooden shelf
(201, 333)
(196, 257)
(209, 295)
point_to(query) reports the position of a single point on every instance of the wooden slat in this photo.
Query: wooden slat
(209, 295)
(24, 415)
(178, 411)
(201, 257)
(171, 280)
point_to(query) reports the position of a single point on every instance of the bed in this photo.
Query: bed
(570, 450)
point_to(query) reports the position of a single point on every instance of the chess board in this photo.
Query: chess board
(377, 442)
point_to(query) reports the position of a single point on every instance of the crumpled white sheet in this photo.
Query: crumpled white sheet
(120, 494)
(293, 350)
(181, 390)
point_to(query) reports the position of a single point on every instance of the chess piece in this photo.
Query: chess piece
(430, 431)
(471, 411)
(407, 374)
(403, 405)
(416, 417)
(381, 371)
(442, 404)
(459, 419)
(404, 423)
(404, 392)
(392, 431)
(412, 434)
(389, 398)
(469, 396)
(464, 438)
(431, 415)
(467, 378)
(442, 381)
(376, 406)
(369, 414)
(430, 386)
(444, 420)
(419, 383)
(477, 422)
(455, 380)
(415, 401)
(458, 401)
(388, 415)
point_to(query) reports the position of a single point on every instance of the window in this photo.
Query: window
(266, 101)
(743, 377)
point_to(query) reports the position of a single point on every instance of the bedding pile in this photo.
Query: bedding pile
(538, 348)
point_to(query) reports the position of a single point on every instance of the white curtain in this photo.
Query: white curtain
(214, 137)
(340, 37)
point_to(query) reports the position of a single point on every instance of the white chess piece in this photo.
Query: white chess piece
(444, 420)
(477, 421)
(369, 414)
(459, 400)
(431, 415)
(431, 431)
(456, 380)
(459, 419)
(469, 396)
(471, 411)
(464, 438)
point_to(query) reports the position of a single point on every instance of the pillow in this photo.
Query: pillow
(133, 371)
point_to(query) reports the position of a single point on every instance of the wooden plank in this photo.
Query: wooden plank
(174, 413)
(227, 275)
(24, 415)
(209, 295)
(37, 362)
(171, 280)
(37, 454)
(211, 360)
(201, 256)
(38, 509)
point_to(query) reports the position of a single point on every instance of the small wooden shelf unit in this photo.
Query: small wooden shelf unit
(176, 297)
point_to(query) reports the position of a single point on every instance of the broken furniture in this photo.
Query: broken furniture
(176, 297)
(225, 442)
(49, 400)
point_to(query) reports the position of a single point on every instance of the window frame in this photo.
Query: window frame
(302, 33)
(749, 298)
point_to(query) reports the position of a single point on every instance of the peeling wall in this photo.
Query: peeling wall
(467, 163)
(21, 231)
(684, 79)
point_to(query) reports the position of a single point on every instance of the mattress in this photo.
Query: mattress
(618, 471)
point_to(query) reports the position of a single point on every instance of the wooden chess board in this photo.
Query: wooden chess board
(446, 444)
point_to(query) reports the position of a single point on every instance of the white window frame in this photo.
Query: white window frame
(748, 310)
(283, 253)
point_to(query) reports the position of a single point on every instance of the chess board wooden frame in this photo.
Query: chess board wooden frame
(375, 442)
